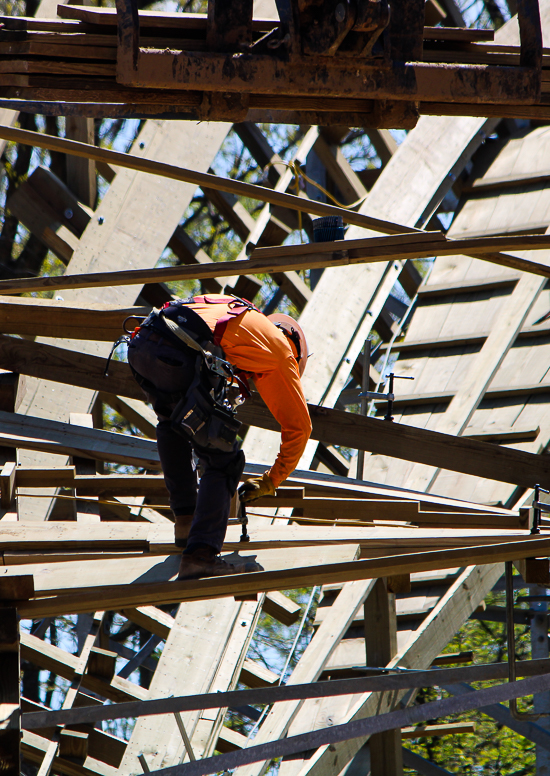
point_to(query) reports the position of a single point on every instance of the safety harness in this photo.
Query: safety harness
(205, 412)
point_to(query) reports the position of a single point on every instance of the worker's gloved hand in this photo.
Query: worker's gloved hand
(256, 487)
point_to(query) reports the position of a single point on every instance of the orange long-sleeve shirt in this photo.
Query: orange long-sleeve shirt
(251, 342)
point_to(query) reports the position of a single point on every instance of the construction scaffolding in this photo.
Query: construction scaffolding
(406, 534)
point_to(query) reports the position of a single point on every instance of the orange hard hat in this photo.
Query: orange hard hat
(295, 336)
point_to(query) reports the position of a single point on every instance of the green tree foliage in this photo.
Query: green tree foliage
(493, 750)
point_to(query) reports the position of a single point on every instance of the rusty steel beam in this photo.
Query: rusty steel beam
(325, 77)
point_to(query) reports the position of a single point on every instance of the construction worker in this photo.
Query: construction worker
(271, 352)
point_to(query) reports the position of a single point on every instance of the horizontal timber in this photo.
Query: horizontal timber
(309, 256)
(460, 340)
(52, 436)
(135, 595)
(330, 426)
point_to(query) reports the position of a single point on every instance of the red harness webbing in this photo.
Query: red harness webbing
(237, 307)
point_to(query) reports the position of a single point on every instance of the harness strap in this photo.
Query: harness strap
(183, 335)
(237, 306)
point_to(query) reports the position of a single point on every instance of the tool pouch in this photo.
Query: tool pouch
(207, 424)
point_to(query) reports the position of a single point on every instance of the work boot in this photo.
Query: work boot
(181, 530)
(204, 562)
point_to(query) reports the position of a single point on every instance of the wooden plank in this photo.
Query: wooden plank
(191, 176)
(469, 340)
(67, 366)
(281, 608)
(443, 729)
(152, 619)
(59, 578)
(122, 596)
(7, 484)
(317, 255)
(255, 675)
(51, 436)
(431, 290)
(336, 427)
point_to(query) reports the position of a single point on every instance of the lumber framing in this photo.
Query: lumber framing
(436, 498)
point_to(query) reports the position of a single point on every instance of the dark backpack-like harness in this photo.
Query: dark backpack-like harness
(204, 413)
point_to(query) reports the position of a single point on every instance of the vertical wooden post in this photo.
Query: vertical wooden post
(10, 754)
(381, 647)
(85, 511)
(530, 34)
(12, 389)
(81, 177)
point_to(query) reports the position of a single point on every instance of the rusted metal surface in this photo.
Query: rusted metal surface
(229, 26)
(321, 77)
(406, 30)
(325, 24)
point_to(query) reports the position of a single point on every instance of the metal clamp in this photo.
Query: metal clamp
(390, 396)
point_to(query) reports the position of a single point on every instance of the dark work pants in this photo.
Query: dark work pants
(171, 369)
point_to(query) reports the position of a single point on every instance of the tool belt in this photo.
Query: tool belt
(203, 413)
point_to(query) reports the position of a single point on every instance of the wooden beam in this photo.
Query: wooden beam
(239, 188)
(291, 258)
(380, 625)
(330, 426)
(67, 320)
(443, 729)
(52, 436)
(123, 596)
(281, 608)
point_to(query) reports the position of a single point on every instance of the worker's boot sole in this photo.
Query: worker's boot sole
(192, 567)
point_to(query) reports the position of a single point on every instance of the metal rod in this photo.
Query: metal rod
(143, 763)
(365, 382)
(186, 739)
(388, 415)
(434, 677)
